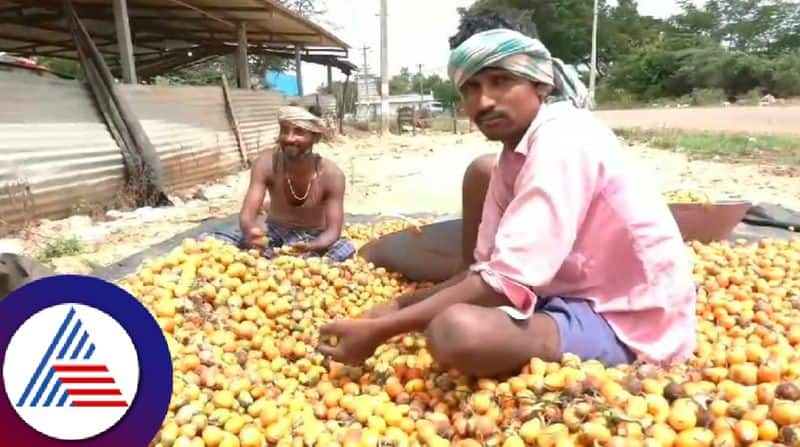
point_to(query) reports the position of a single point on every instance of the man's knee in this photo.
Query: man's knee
(479, 170)
(455, 334)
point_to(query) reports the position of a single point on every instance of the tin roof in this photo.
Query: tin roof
(168, 34)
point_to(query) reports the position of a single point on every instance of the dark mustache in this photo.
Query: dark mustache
(489, 115)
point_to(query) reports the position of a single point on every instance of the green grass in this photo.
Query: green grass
(60, 247)
(784, 149)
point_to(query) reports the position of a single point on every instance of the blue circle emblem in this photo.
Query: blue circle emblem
(83, 363)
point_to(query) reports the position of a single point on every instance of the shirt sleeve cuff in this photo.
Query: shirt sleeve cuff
(520, 296)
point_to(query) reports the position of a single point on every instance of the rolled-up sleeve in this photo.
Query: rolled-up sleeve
(537, 229)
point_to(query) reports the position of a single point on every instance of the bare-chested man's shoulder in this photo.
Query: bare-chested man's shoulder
(267, 164)
(331, 174)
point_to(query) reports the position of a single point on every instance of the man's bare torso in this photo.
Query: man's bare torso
(297, 200)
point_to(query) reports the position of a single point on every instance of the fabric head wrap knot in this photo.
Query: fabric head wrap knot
(302, 118)
(521, 55)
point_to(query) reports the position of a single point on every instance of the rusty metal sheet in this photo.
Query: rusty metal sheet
(257, 112)
(190, 130)
(56, 153)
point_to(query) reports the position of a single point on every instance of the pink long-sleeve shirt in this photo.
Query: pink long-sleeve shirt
(562, 217)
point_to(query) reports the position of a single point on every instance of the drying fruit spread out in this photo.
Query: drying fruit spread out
(242, 332)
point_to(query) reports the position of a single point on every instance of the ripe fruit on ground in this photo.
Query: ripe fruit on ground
(242, 332)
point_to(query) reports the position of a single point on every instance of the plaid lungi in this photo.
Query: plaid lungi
(280, 235)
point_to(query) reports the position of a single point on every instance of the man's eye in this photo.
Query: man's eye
(500, 80)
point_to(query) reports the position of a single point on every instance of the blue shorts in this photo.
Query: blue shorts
(583, 332)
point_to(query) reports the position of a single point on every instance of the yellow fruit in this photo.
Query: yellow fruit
(212, 436)
(243, 333)
(250, 436)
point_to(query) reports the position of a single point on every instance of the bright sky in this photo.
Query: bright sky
(418, 33)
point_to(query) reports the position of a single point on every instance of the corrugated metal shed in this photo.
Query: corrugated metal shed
(55, 150)
(257, 112)
(190, 130)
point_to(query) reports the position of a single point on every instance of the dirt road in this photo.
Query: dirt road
(771, 119)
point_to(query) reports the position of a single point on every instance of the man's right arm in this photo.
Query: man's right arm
(254, 199)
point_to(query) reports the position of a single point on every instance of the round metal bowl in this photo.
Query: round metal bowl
(431, 254)
(709, 222)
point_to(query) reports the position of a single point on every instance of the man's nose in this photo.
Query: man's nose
(485, 101)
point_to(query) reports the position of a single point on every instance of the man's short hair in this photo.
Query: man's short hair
(474, 22)
(316, 110)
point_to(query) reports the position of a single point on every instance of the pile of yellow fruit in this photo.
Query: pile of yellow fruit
(360, 234)
(242, 332)
(686, 196)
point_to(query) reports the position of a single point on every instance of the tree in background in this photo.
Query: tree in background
(306, 8)
(723, 49)
(401, 84)
(736, 48)
(481, 18)
(565, 27)
(562, 26)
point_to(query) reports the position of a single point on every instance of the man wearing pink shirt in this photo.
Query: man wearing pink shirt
(573, 254)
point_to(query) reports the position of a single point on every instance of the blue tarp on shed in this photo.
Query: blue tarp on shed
(282, 82)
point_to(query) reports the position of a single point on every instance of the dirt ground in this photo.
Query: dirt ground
(395, 175)
(750, 119)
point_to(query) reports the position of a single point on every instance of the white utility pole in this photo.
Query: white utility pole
(384, 70)
(593, 71)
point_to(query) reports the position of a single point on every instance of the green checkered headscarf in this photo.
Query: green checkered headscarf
(521, 55)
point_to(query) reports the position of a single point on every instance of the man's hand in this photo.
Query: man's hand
(356, 340)
(255, 236)
(302, 247)
(381, 310)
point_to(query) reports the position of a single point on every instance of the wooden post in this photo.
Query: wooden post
(242, 65)
(124, 41)
(330, 79)
(344, 103)
(232, 115)
(298, 62)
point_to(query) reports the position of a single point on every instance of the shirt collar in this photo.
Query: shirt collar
(546, 113)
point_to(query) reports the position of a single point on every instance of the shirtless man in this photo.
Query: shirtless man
(306, 191)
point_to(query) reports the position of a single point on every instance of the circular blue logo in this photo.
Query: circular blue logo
(83, 363)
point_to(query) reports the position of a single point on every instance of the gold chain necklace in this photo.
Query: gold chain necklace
(291, 187)
(308, 189)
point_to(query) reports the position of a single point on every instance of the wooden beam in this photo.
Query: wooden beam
(182, 7)
(205, 13)
(96, 35)
(298, 66)
(235, 122)
(330, 78)
(33, 46)
(242, 65)
(30, 19)
(170, 63)
(124, 42)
